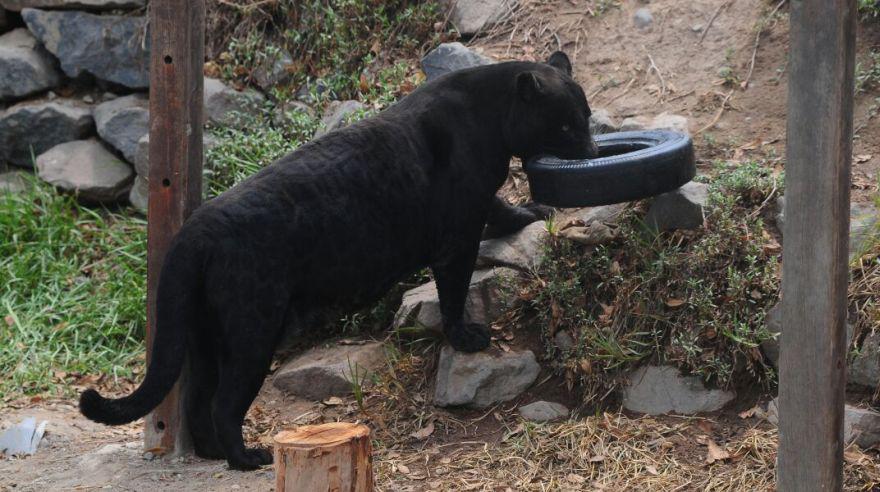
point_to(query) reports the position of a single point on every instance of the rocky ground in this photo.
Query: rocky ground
(442, 420)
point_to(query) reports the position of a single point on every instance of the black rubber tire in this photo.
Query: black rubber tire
(630, 166)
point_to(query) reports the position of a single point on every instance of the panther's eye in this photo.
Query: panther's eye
(565, 128)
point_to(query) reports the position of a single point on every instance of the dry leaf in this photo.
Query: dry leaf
(403, 469)
(863, 157)
(9, 320)
(750, 412)
(652, 470)
(715, 453)
(333, 401)
(577, 479)
(424, 433)
(674, 303)
(597, 459)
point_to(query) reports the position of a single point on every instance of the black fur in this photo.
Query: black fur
(336, 224)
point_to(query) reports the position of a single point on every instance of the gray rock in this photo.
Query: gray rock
(330, 371)
(311, 91)
(607, 214)
(662, 389)
(861, 426)
(680, 209)
(336, 116)
(473, 16)
(449, 57)
(17, 5)
(667, 121)
(139, 194)
(110, 47)
(773, 322)
(142, 157)
(13, 182)
(643, 18)
(864, 368)
(563, 340)
(864, 226)
(292, 112)
(634, 124)
(601, 122)
(225, 106)
(87, 168)
(29, 129)
(25, 67)
(123, 121)
(481, 379)
(522, 250)
(486, 301)
(273, 70)
(543, 411)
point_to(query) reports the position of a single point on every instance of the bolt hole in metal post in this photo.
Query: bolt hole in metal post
(168, 59)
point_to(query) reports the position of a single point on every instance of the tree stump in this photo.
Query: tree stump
(329, 457)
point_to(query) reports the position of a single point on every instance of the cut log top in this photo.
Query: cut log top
(309, 436)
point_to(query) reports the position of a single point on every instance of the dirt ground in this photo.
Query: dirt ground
(631, 72)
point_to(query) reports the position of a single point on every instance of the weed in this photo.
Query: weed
(694, 299)
(868, 73)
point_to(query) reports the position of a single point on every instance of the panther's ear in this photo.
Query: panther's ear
(528, 86)
(560, 60)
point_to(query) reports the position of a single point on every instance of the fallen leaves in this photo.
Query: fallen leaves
(423, 433)
(714, 452)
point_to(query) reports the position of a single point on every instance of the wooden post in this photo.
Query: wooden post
(817, 174)
(176, 88)
(332, 457)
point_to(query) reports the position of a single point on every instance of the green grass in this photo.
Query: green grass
(73, 287)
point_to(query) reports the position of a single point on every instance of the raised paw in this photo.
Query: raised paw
(542, 212)
(252, 459)
(469, 337)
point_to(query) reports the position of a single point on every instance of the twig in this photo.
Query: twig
(625, 90)
(660, 75)
(712, 19)
(681, 96)
(745, 83)
(717, 115)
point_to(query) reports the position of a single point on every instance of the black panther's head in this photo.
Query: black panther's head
(550, 114)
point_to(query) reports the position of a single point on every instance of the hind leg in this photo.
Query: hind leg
(243, 367)
(200, 390)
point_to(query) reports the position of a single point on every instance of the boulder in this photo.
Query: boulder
(123, 121)
(449, 57)
(330, 371)
(13, 182)
(29, 129)
(110, 47)
(773, 322)
(18, 5)
(643, 18)
(87, 168)
(864, 226)
(864, 368)
(25, 67)
(225, 106)
(336, 116)
(486, 301)
(291, 113)
(861, 426)
(139, 194)
(634, 124)
(522, 250)
(683, 208)
(543, 411)
(274, 69)
(663, 121)
(601, 122)
(658, 390)
(482, 379)
(473, 16)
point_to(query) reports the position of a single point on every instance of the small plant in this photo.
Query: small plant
(870, 9)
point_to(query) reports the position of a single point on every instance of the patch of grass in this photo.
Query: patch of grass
(73, 290)
(338, 41)
(693, 299)
(870, 9)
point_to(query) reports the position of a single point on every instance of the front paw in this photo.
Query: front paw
(253, 459)
(541, 212)
(468, 337)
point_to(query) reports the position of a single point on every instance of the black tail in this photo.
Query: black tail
(177, 311)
